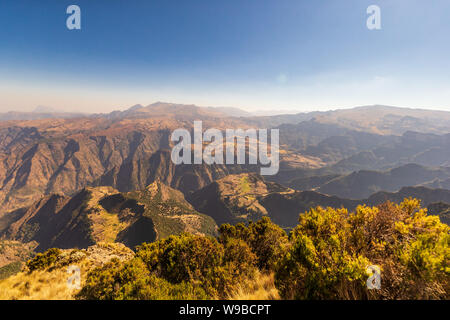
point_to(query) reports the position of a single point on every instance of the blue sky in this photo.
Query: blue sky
(254, 54)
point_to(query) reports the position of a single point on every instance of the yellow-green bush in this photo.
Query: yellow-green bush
(331, 249)
(185, 266)
(182, 258)
(43, 260)
(267, 240)
(131, 281)
(200, 260)
(325, 257)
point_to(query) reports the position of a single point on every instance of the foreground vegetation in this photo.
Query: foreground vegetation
(325, 257)
(331, 249)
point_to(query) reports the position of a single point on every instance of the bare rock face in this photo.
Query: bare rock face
(126, 150)
(67, 163)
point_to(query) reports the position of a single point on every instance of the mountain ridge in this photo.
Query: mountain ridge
(245, 197)
(103, 214)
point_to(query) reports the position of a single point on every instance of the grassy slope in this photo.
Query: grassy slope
(51, 284)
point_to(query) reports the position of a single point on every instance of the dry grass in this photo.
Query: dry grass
(105, 226)
(38, 285)
(51, 284)
(261, 288)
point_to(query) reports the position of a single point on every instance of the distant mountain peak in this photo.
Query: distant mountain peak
(44, 109)
(135, 107)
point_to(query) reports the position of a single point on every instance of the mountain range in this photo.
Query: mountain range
(76, 180)
(362, 183)
(102, 214)
(244, 197)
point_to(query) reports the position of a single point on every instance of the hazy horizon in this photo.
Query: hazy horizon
(286, 55)
(267, 112)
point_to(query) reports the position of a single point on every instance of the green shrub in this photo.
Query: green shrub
(239, 266)
(182, 258)
(321, 261)
(133, 281)
(43, 260)
(199, 260)
(331, 249)
(180, 267)
(267, 240)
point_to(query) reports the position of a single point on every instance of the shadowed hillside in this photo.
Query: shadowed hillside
(125, 150)
(247, 197)
(361, 184)
(130, 149)
(103, 214)
(440, 209)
